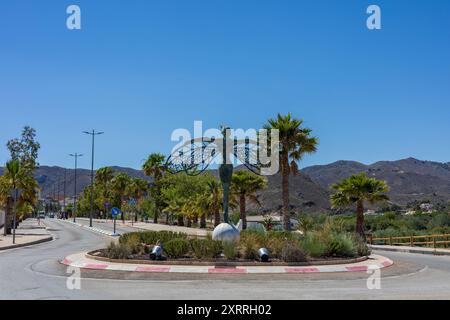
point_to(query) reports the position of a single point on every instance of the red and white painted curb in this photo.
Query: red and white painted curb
(375, 262)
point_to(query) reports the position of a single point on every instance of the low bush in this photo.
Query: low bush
(313, 246)
(340, 245)
(291, 252)
(118, 251)
(176, 248)
(152, 237)
(206, 248)
(230, 250)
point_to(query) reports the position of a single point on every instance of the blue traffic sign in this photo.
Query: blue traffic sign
(115, 212)
(132, 202)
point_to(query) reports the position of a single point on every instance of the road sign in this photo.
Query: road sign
(115, 212)
(132, 202)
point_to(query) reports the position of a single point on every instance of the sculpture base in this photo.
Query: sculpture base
(226, 232)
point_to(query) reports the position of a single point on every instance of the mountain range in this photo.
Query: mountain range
(409, 180)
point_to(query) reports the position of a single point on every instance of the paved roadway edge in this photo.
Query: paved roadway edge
(80, 260)
(435, 252)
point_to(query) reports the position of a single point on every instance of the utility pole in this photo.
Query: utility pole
(76, 156)
(64, 200)
(93, 134)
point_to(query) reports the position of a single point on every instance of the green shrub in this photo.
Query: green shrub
(249, 246)
(275, 246)
(291, 252)
(314, 246)
(152, 237)
(230, 250)
(176, 248)
(206, 248)
(118, 251)
(134, 243)
(340, 245)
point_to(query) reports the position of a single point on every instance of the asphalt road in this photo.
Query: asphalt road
(34, 273)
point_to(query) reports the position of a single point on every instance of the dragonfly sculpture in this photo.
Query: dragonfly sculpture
(196, 155)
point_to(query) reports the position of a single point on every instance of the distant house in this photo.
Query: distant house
(426, 207)
(371, 212)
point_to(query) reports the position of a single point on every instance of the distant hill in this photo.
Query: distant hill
(409, 179)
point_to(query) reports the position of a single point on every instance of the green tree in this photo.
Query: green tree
(137, 189)
(16, 176)
(119, 187)
(295, 142)
(155, 167)
(245, 185)
(25, 149)
(356, 190)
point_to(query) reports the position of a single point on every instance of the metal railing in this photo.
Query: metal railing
(434, 241)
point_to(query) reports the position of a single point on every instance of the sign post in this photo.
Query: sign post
(115, 212)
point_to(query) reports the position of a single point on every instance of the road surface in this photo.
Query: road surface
(34, 273)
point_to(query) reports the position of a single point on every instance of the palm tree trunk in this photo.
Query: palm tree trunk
(180, 220)
(216, 217)
(360, 220)
(8, 219)
(155, 216)
(285, 192)
(242, 211)
(203, 221)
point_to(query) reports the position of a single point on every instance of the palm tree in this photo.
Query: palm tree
(356, 190)
(295, 142)
(137, 189)
(17, 177)
(244, 185)
(119, 187)
(155, 167)
(103, 178)
(213, 199)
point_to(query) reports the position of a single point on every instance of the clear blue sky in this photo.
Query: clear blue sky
(140, 69)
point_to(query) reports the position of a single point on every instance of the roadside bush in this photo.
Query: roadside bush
(313, 246)
(152, 237)
(275, 246)
(118, 251)
(249, 247)
(340, 245)
(206, 248)
(176, 248)
(134, 243)
(230, 250)
(291, 252)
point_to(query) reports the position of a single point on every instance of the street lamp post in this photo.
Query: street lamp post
(93, 134)
(64, 200)
(76, 156)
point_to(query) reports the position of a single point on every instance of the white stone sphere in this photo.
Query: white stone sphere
(226, 232)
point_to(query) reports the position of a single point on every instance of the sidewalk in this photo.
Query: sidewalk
(80, 260)
(155, 227)
(445, 252)
(28, 233)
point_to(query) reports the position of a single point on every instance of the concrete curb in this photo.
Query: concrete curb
(93, 229)
(436, 252)
(21, 245)
(80, 260)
